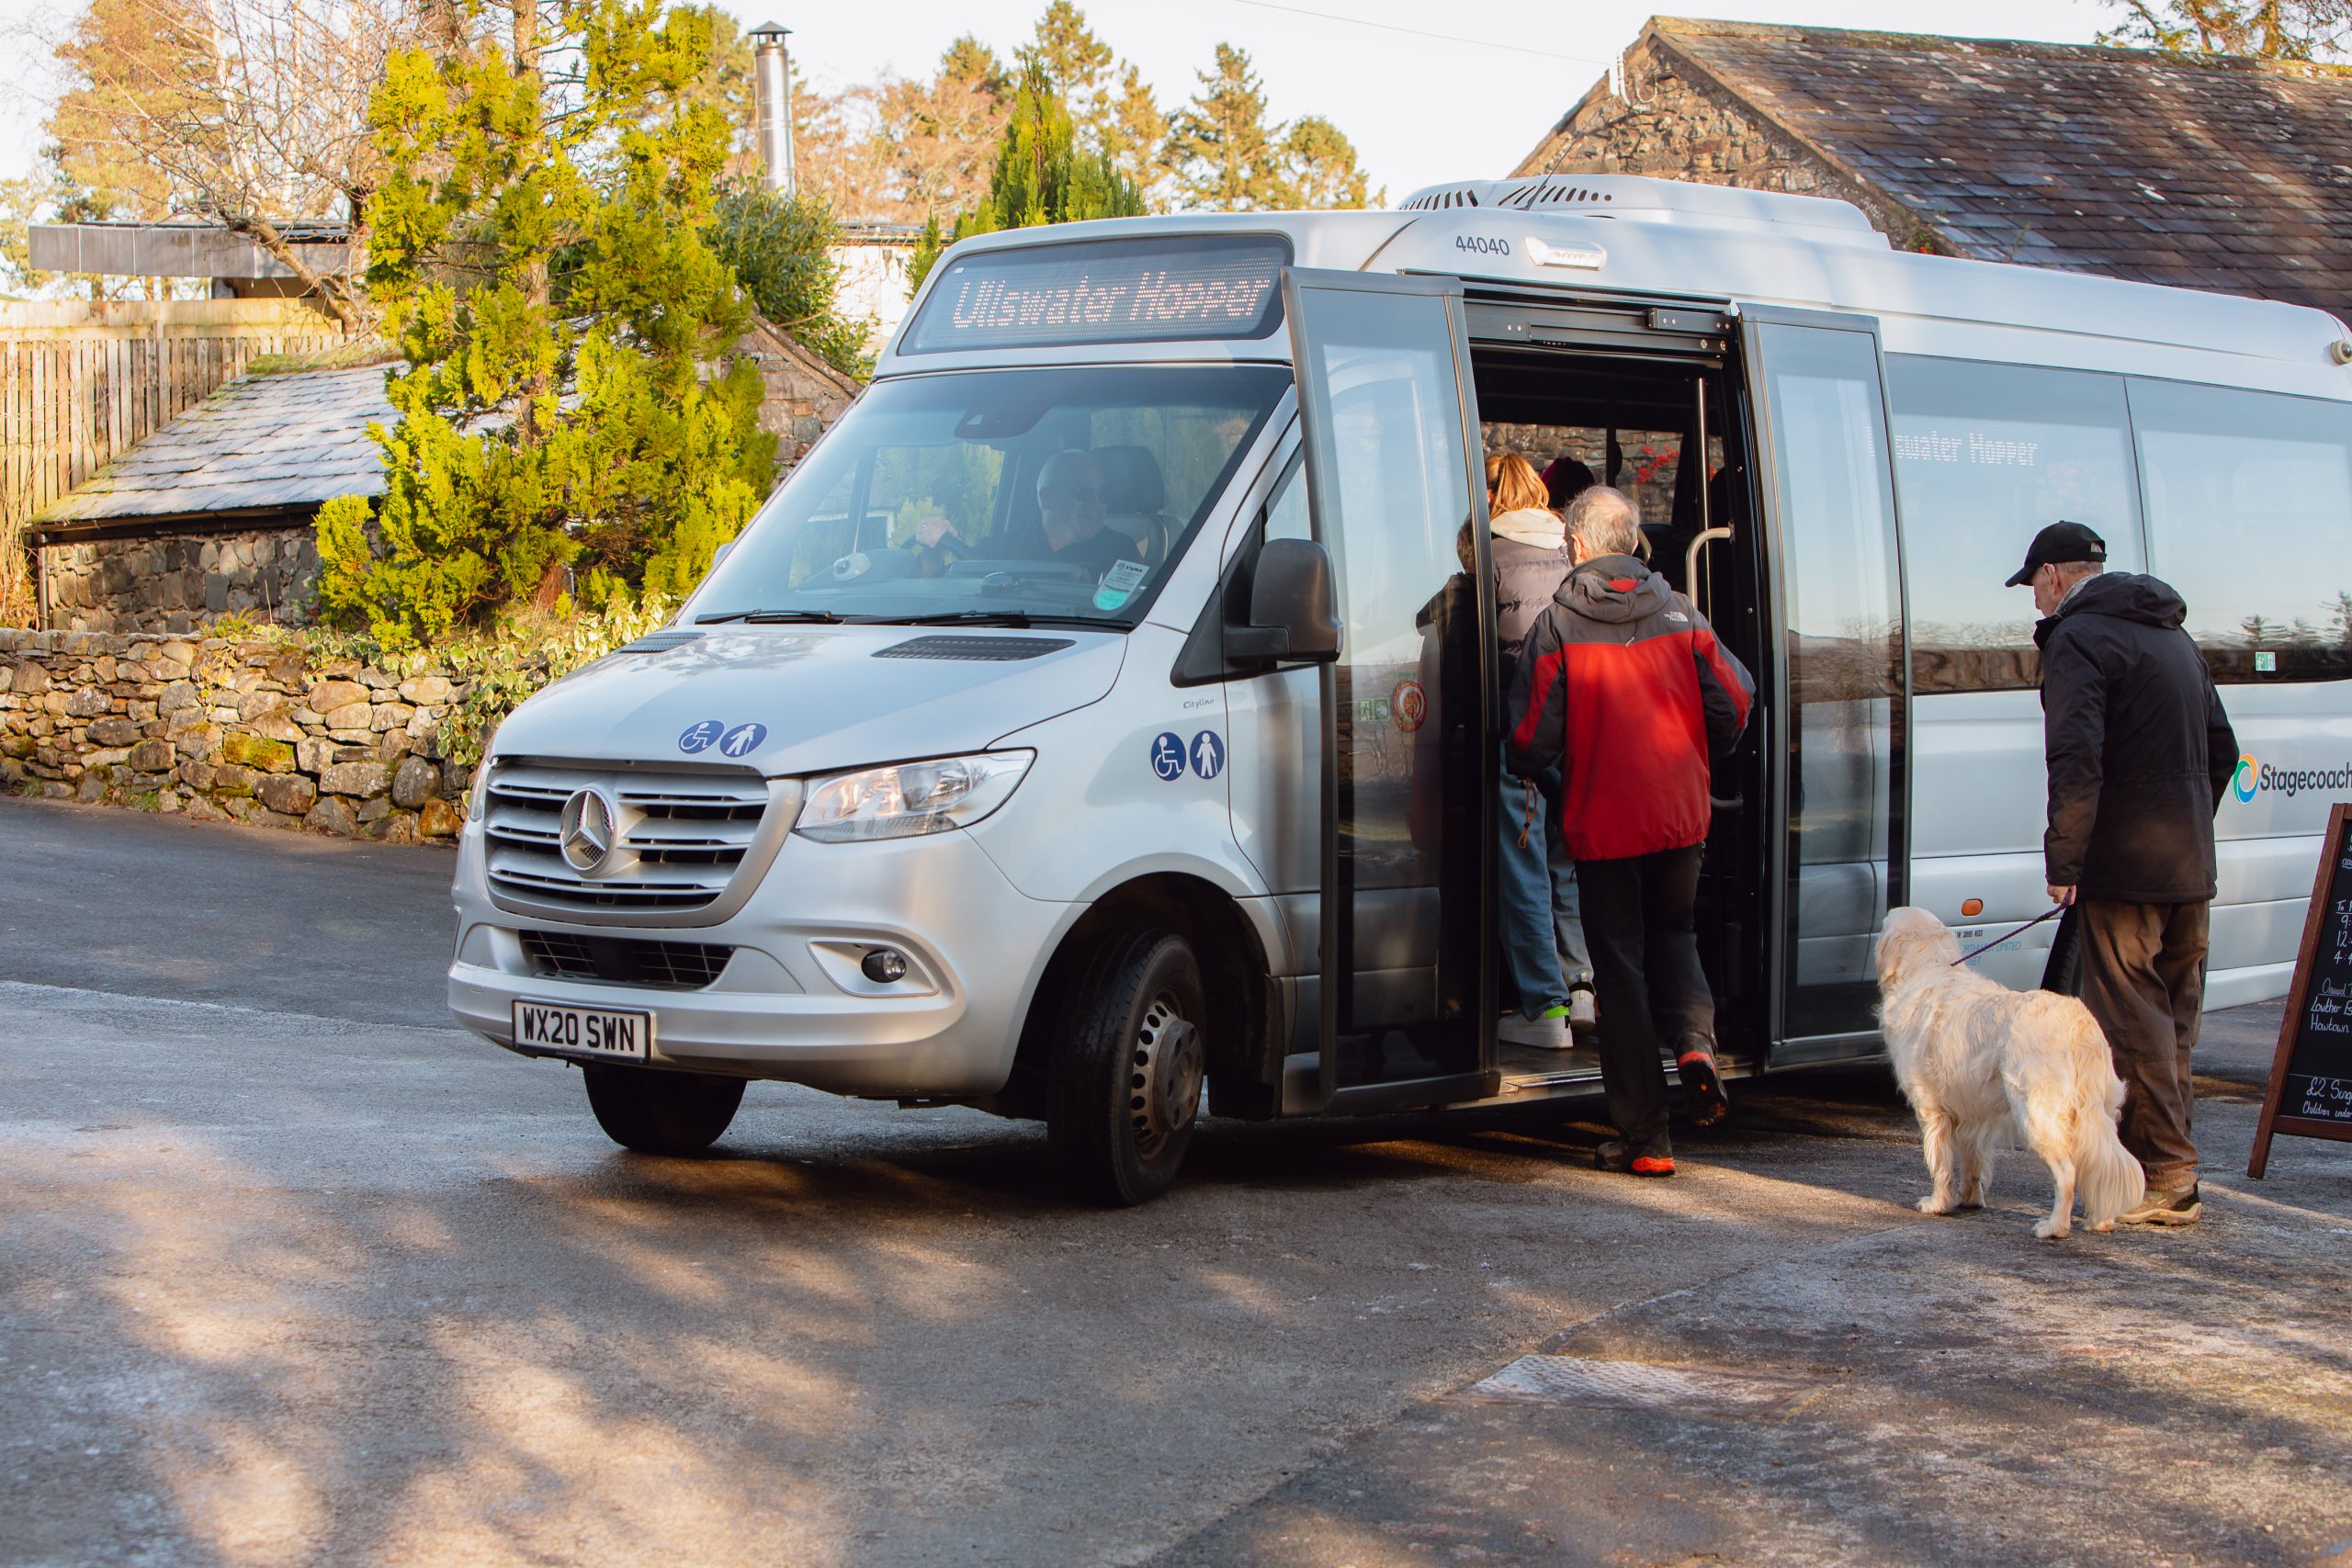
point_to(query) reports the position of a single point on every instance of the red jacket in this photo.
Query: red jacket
(1622, 687)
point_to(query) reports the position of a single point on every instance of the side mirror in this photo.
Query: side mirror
(720, 553)
(1291, 617)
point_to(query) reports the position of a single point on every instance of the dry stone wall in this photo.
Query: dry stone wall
(176, 584)
(227, 730)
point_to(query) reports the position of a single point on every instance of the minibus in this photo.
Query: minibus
(927, 796)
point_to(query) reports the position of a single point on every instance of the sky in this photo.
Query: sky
(1421, 108)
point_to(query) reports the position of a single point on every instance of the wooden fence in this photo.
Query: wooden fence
(81, 383)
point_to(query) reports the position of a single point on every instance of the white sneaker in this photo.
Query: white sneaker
(1582, 1017)
(1549, 1032)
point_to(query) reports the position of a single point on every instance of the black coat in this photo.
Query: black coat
(2139, 751)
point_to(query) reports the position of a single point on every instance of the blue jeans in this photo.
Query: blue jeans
(1544, 948)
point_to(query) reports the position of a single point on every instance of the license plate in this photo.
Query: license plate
(582, 1031)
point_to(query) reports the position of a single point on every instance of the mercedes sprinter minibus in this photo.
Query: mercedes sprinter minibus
(914, 802)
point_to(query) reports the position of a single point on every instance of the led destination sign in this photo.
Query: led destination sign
(1104, 292)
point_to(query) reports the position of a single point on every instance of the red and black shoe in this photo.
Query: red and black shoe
(1702, 1082)
(1617, 1156)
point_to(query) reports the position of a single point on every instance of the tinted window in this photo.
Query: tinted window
(1986, 455)
(2249, 498)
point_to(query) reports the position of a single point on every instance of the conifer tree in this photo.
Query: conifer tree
(540, 256)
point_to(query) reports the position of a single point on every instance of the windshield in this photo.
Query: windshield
(1005, 495)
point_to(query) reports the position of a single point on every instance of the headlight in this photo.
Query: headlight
(910, 798)
(477, 797)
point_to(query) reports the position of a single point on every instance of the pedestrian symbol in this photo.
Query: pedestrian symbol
(739, 741)
(699, 737)
(1208, 754)
(1168, 756)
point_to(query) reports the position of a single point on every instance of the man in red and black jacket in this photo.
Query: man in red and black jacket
(1622, 687)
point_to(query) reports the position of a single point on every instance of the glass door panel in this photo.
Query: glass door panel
(1385, 405)
(1844, 707)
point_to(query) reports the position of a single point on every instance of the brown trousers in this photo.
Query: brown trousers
(2143, 979)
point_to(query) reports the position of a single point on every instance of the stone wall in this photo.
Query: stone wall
(801, 395)
(1676, 122)
(227, 730)
(176, 582)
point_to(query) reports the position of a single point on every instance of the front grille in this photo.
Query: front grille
(625, 960)
(678, 839)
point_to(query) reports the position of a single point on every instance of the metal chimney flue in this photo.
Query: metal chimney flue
(772, 102)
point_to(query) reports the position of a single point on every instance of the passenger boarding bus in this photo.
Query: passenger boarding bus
(908, 805)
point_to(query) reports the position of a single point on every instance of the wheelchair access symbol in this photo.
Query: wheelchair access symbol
(1168, 756)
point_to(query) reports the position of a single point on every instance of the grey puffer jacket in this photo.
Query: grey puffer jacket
(1526, 577)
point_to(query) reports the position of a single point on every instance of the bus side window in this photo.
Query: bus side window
(1284, 513)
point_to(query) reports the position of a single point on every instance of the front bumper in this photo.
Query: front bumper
(791, 1003)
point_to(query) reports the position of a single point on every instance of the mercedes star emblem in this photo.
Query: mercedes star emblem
(587, 834)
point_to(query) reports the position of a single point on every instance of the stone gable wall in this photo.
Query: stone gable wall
(1681, 126)
(224, 731)
(178, 583)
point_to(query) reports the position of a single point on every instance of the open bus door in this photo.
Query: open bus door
(1406, 992)
(1838, 698)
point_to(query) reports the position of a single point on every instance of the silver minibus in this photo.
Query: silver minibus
(925, 795)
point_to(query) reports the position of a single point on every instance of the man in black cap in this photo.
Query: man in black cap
(2140, 754)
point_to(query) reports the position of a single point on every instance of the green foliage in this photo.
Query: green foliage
(538, 251)
(780, 249)
(1042, 175)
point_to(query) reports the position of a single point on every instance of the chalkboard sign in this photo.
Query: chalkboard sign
(2310, 1079)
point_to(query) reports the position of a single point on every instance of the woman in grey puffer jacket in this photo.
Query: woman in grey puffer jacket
(1543, 937)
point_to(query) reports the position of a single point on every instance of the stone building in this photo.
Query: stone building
(2199, 171)
(211, 514)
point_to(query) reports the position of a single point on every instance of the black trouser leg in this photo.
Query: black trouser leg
(1680, 1002)
(1638, 925)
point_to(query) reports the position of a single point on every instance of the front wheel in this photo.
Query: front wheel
(658, 1112)
(1125, 1087)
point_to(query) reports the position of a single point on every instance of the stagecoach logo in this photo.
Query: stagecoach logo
(587, 832)
(2253, 777)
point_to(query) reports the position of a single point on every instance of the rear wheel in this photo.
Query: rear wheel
(661, 1112)
(1125, 1087)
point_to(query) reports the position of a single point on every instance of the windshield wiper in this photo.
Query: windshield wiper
(998, 618)
(770, 617)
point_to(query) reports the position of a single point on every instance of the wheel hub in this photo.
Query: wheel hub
(1164, 1078)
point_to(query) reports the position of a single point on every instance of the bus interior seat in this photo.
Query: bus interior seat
(1133, 496)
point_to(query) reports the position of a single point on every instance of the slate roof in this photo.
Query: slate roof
(260, 442)
(2202, 171)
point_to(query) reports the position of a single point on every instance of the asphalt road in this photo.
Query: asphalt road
(293, 1272)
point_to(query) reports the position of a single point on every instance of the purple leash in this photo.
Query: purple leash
(2054, 910)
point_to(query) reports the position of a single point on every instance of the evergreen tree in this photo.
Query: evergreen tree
(781, 249)
(1042, 175)
(1320, 165)
(1222, 153)
(540, 256)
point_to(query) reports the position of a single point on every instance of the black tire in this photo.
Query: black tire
(658, 1112)
(1123, 1090)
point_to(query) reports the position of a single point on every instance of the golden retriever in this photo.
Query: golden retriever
(1981, 1065)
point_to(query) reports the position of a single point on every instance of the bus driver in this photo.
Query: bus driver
(1070, 509)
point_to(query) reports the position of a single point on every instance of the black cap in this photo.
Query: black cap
(2059, 542)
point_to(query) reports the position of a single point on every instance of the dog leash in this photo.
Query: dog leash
(2054, 910)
